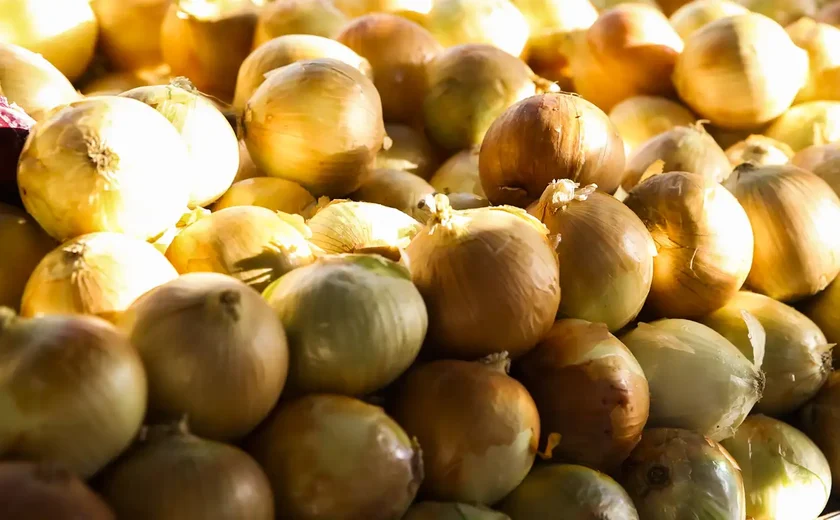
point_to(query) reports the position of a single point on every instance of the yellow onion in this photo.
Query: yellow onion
(489, 277)
(829, 13)
(410, 151)
(820, 419)
(479, 428)
(605, 253)
(786, 476)
(31, 82)
(589, 390)
(641, 118)
(603, 5)
(824, 310)
(571, 491)
(698, 13)
(808, 124)
(247, 168)
(285, 50)
(283, 17)
(698, 380)
(813, 156)
(829, 171)
(461, 200)
(726, 137)
(114, 83)
(428, 510)
(523, 151)
(740, 71)
(459, 174)
(784, 12)
(267, 192)
(252, 244)
(173, 475)
(493, 22)
(409, 8)
(84, 170)
(129, 31)
(315, 122)
(703, 240)
(163, 241)
(797, 249)
(396, 189)
(822, 41)
(207, 41)
(398, 51)
(73, 391)
(360, 460)
(377, 323)
(760, 150)
(26, 245)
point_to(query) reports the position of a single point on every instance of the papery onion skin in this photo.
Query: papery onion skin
(459, 174)
(268, 192)
(396, 189)
(428, 510)
(91, 398)
(822, 41)
(760, 150)
(129, 31)
(640, 118)
(29, 244)
(284, 17)
(370, 467)
(811, 123)
(698, 13)
(410, 151)
(33, 83)
(523, 152)
(820, 419)
(493, 22)
(479, 428)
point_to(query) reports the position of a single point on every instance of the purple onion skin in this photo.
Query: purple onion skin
(15, 125)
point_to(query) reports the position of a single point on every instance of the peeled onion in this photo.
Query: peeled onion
(395, 189)
(285, 17)
(31, 82)
(760, 150)
(822, 41)
(428, 510)
(640, 118)
(15, 126)
(784, 12)
(268, 192)
(812, 123)
(129, 31)
(821, 421)
(459, 174)
(410, 151)
(494, 22)
(28, 244)
(696, 14)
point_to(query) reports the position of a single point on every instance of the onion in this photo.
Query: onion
(356, 8)
(459, 174)
(759, 150)
(813, 156)
(523, 151)
(31, 82)
(797, 250)
(716, 81)
(697, 14)
(640, 118)
(398, 51)
(677, 473)
(462, 201)
(377, 322)
(410, 151)
(247, 168)
(494, 22)
(129, 31)
(15, 126)
(316, 122)
(703, 240)
(396, 189)
(115, 83)
(605, 253)
(829, 13)
(821, 421)
(479, 428)
(784, 12)
(361, 462)
(451, 511)
(679, 357)
(286, 17)
(785, 475)
(27, 244)
(90, 395)
(172, 475)
(267, 192)
(812, 123)
(163, 242)
(823, 310)
(489, 277)
(822, 41)
(571, 491)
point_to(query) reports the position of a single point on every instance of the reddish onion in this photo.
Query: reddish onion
(49, 492)
(14, 129)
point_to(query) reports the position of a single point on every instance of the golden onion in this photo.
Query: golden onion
(247, 168)
(114, 83)
(129, 31)
(163, 241)
(784, 12)
(461, 200)
(493, 22)
(603, 5)
(27, 244)
(356, 8)
(822, 41)
(740, 71)
(813, 156)
(524, 140)
(760, 150)
(820, 419)
(410, 151)
(428, 510)
(33, 83)
(459, 174)
(267, 192)
(824, 310)
(703, 240)
(283, 17)
(315, 122)
(797, 249)
(698, 13)
(829, 13)
(396, 189)
(640, 118)
(808, 124)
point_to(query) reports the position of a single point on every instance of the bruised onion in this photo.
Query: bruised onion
(478, 427)
(459, 174)
(48, 491)
(698, 13)
(129, 31)
(268, 192)
(428, 510)
(15, 126)
(31, 82)
(410, 151)
(640, 118)
(395, 189)
(760, 150)
(285, 17)
(27, 244)
(820, 419)
(73, 389)
(493, 22)
(811, 123)
(360, 460)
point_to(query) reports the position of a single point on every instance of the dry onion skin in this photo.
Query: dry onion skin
(703, 239)
(605, 253)
(329, 145)
(808, 124)
(330, 456)
(396, 189)
(28, 245)
(784, 12)
(523, 152)
(90, 398)
(640, 118)
(822, 41)
(589, 390)
(459, 174)
(493, 22)
(741, 71)
(285, 17)
(129, 31)
(33, 83)
(99, 274)
(410, 151)
(428, 510)
(797, 250)
(268, 192)
(760, 150)
(696, 14)
(820, 419)
(479, 428)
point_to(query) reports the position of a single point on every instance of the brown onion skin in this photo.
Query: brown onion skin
(523, 151)
(820, 419)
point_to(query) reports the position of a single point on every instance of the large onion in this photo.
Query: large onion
(410, 151)
(28, 244)
(822, 41)
(316, 122)
(31, 82)
(640, 118)
(703, 240)
(428, 510)
(821, 421)
(268, 192)
(90, 395)
(760, 150)
(697, 14)
(812, 123)
(459, 174)
(493, 22)
(129, 31)
(48, 491)
(784, 12)
(740, 71)
(523, 151)
(679, 357)
(330, 457)
(396, 189)
(286, 17)
(478, 427)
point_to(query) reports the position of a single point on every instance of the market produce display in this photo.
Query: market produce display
(419, 259)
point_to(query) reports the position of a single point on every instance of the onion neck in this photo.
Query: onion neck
(559, 193)
(441, 210)
(499, 362)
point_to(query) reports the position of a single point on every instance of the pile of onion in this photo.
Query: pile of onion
(822, 41)
(808, 124)
(129, 31)
(493, 22)
(428, 510)
(410, 151)
(821, 421)
(698, 13)
(30, 244)
(46, 490)
(759, 149)
(31, 82)
(268, 192)
(640, 118)
(396, 189)
(298, 17)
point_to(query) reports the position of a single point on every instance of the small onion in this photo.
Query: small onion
(73, 389)
(822, 41)
(821, 421)
(15, 126)
(677, 473)
(396, 189)
(268, 192)
(812, 123)
(786, 476)
(813, 156)
(285, 17)
(99, 274)
(703, 240)
(31, 82)
(523, 151)
(410, 151)
(479, 428)
(459, 174)
(451, 511)
(784, 12)
(331, 457)
(640, 118)
(699, 13)
(172, 475)
(129, 31)
(48, 491)
(493, 22)
(27, 244)
(680, 357)
(760, 150)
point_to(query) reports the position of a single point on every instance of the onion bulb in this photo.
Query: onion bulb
(760, 150)
(479, 428)
(679, 357)
(99, 274)
(410, 151)
(589, 390)
(173, 475)
(797, 249)
(459, 174)
(812, 123)
(740, 71)
(784, 12)
(268, 192)
(786, 477)
(316, 122)
(27, 244)
(697, 14)
(677, 473)
(163, 241)
(489, 277)
(820, 419)
(285, 17)
(396, 189)
(493, 22)
(605, 253)
(829, 13)
(640, 118)
(90, 396)
(361, 462)
(115, 83)
(428, 510)
(252, 244)
(824, 310)
(822, 41)
(377, 323)
(15, 126)
(408, 8)
(33, 83)
(703, 240)
(461, 201)
(129, 31)
(523, 151)
(813, 156)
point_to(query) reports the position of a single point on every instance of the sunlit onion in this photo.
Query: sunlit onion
(247, 168)
(395, 189)
(760, 150)
(31, 82)
(820, 419)
(493, 22)
(129, 31)
(27, 245)
(783, 12)
(410, 151)
(812, 123)
(459, 174)
(698, 13)
(640, 118)
(428, 510)
(822, 41)
(813, 156)
(114, 83)
(408, 8)
(283, 17)
(824, 310)
(268, 192)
